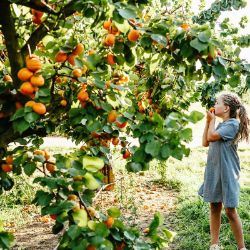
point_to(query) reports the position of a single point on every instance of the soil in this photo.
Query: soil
(138, 203)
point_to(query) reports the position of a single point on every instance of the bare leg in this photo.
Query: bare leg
(215, 221)
(236, 226)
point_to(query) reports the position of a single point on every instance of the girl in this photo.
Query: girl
(221, 182)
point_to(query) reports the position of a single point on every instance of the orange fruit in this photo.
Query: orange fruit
(50, 167)
(109, 40)
(110, 59)
(126, 154)
(7, 167)
(29, 104)
(107, 24)
(90, 247)
(7, 78)
(9, 159)
(46, 154)
(24, 74)
(53, 216)
(27, 88)
(63, 103)
(39, 152)
(78, 49)
(72, 197)
(37, 13)
(37, 80)
(133, 35)
(185, 26)
(112, 116)
(61, 56)
(36, 20)
(212, 110)
(115, 141)
(33, 64)
(77, 73)
(83, 96)
(91, 52)
(39, 108)
(114, 30)
(109, 222)
(71, 59)
(19, 105)
(121, 125)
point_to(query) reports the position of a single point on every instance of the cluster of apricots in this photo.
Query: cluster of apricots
(36, 16)
(8, 165)
(32, 80)
(83, 96)
(62, 56)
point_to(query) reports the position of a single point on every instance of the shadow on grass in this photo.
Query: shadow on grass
(192, 225)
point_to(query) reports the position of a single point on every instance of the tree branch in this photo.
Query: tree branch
(37, 5)
(11, 40)
(45, 27)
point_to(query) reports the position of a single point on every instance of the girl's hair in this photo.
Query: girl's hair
(237, 110)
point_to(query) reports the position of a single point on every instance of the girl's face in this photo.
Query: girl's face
(220, 107)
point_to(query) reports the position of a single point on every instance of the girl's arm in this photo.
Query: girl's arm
(205, 142)
(212, 135)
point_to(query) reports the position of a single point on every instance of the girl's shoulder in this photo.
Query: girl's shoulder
(231, 121)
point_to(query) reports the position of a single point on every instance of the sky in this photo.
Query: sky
(234, 16)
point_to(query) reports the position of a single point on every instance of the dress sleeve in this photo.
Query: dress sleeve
(228, 130)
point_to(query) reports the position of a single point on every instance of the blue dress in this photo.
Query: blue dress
(221, 179)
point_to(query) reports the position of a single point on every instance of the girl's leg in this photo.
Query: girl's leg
(215, 221)
(236, 226)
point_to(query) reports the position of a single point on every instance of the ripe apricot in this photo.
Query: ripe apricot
(110, 40)
(107, 24)
(121, 125)
(185, 26)
(7, 78)
(78, 49)
(39, 108)
(9, 159)
(91, 52)
(37, 80)
(133, 35)
(50, 167)
(71, 59)
(36, 20)
(212, 110)
(37, 13)
(63, 103)
(29, 104)
(19, 105)
(83, 96)
(109, 222)
(33, 64)
(126, 154)
(115, 141)
(110, 59)
(72, 197)
(27, 88)
(90, 247)
(7, 167)
(112, 116)
(61, 56)
(24, 74)
(77, 73)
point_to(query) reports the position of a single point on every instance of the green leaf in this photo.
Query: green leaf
(186, 134)
(248, 81)
(74, 231)
(198, 45)
(219, 70)
(204, 36)
(19, 113)
(43, 198)
(195, 116)
(234, 81)
(80, 217)
(160, 39)
(114, 212)
(165, 151)
(43, 92)
(153, 148)
(31, 117)
(123, 27)
(157, 221)
(127, 13)
(134, 167)
(29, 168)
(20, 125)
(154, 63)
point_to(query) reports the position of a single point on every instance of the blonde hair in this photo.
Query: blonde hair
(237, 110)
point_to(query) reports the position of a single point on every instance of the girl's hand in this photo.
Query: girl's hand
(210, 116)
